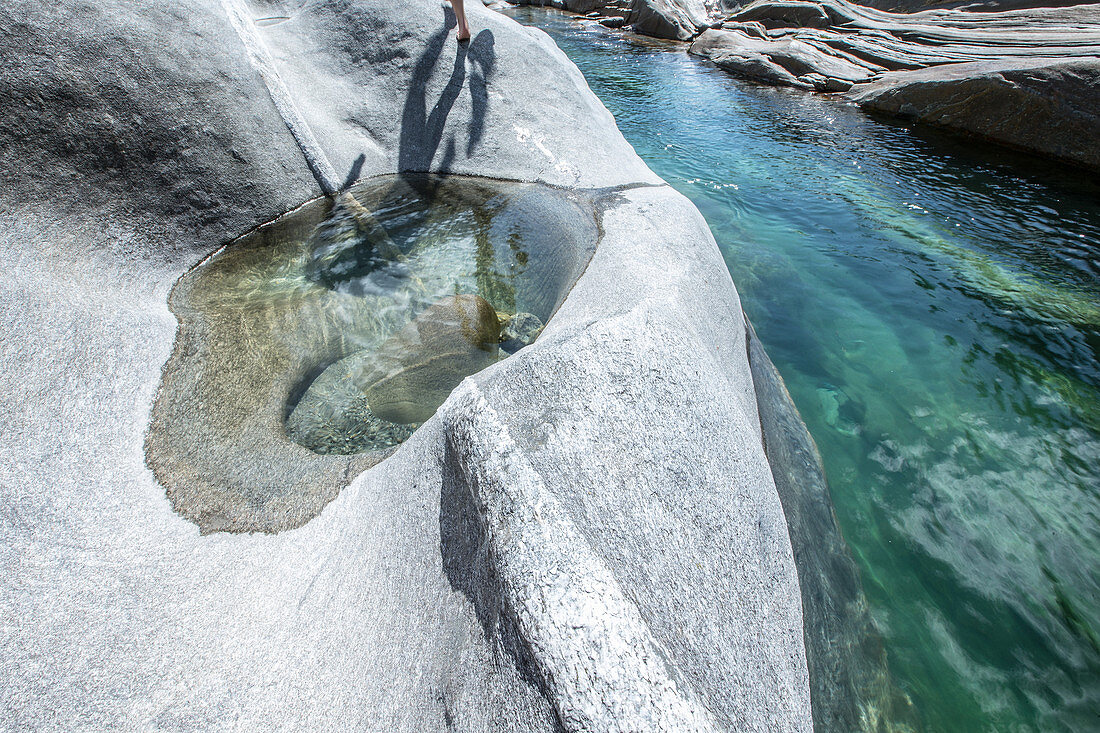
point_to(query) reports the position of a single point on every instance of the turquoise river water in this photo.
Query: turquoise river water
(934, 307)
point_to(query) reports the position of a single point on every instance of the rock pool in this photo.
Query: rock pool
(934, 307)
(311, 347)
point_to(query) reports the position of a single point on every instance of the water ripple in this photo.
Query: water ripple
(934, 306)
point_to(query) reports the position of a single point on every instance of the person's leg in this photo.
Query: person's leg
(460, 14)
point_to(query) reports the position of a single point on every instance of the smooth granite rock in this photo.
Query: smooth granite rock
(627, 348)
(913, 6)
(680, 20)
(785, 14)
(588, 536)
(1024, 78)
(1050, 108)
(788, 62)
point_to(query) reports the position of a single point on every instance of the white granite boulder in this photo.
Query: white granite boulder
(588, 534)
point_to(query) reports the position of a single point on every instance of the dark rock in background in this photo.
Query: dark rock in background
(679, 20)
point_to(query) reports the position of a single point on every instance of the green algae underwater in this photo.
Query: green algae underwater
(934, 308)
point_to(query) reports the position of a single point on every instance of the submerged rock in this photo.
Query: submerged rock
(852, 689)
(333, 416)
(411, 374)
(520, 330)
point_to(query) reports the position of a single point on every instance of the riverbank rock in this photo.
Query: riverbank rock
(675, 19)
(137, 140)
(788, 62)
(1023, 78)
(1050, 108)
(679, 20)
(914, 6)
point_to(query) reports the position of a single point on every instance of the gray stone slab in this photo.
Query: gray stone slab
(1045, 107)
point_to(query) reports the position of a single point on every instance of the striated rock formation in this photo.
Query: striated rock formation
(837, 46)
(914, 6)
(786, 62)
(880, 41)
(1025, 78)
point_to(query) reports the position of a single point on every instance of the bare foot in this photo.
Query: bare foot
(463, 33)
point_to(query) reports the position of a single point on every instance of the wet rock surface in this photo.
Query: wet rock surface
(334, 416)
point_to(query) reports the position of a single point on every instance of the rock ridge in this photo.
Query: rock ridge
(590, 643)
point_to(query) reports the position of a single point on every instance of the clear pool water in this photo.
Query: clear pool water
(934, 306)
(309, 348)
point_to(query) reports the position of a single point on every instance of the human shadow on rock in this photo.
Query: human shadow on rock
(422, 130)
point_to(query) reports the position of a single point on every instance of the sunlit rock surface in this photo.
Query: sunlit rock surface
(430, 593)
(679, 20)
(1025, 78)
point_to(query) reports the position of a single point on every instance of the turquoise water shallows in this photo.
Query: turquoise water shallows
(934, 307)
